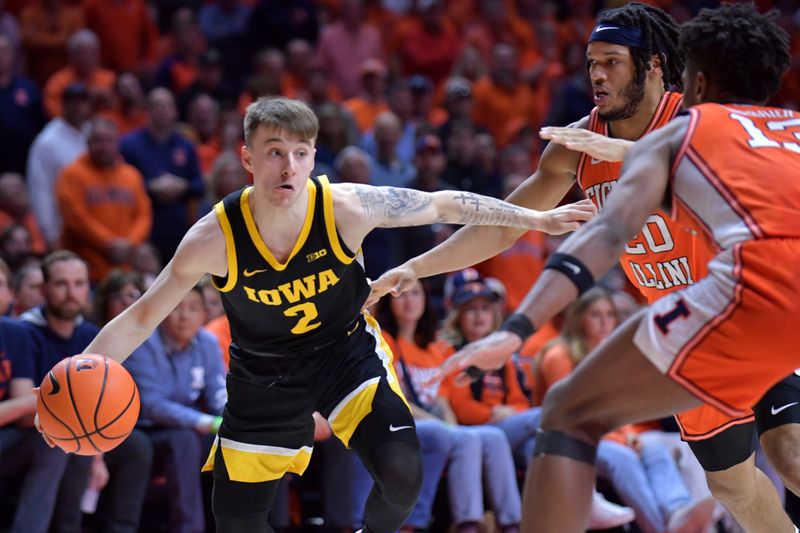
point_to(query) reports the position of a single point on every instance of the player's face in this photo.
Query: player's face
(409, 306)
(183, 323)
(476, 318)
(280, 163)
(599, 321)
(613, 76)
(66, 292)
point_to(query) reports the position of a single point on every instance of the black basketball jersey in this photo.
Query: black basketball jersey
(308, 301)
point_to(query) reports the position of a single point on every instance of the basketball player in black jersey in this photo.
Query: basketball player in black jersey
(285, 256)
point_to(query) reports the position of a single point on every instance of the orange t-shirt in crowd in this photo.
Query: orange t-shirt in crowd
(495, 107)
(497, 389)
(100, 82)
(518, 267)
(221, 329)
(126, 123)
(99, 205)
(414, 366)
(365, 112)
(126, 30)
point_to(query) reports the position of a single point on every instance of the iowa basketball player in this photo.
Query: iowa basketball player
(285, 256)
(723, 340)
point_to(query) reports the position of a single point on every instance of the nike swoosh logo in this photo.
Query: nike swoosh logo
(54, 384)
(398, 428)
(249, 273)
(575, 268)
(604, 28)
(782, 407)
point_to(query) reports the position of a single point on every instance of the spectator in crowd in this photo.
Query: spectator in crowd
(503, 96)
(179, 67)
(59, 144)
(58, 329)
(6, 296)
(346, 45)
(642, 471)
(20, 110)
(429, 45)
(226, 176)
(462, 169)
(10, 28)
(125, 470)
(181, 380)
(27, 287)
(23, 450)
(129, 111)
(336, 131)
(127, 32)
(430, 164)
(211, 80)
(458, 104)
(273, 23)
(84, 67)
(203, 130)
(16, 246)
(388, 168)
(476, 452)
(103, 203)
(370, 101)
(147, 261)
(168, 162)
(223, 23)
(46, 27)
(211, 299)
(15, 209)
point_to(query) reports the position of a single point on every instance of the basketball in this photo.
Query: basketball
(88, 404)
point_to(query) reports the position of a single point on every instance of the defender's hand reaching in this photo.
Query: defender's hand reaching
(593, 144)
(567, 217)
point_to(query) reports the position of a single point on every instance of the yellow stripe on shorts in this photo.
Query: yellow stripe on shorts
(255, 463)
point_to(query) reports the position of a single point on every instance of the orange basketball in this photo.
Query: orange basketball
(88, 404)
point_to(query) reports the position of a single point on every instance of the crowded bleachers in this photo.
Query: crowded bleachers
(121, 126)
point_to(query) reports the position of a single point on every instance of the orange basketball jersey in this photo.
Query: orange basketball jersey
(737, 173)
(665, 255)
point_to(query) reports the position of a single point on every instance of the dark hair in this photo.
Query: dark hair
(111, 284)
(57, 257)
(744, 52)
(660, 34)
(291, 116)
(426, 327)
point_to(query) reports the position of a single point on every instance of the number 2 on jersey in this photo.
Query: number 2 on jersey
(307, 312)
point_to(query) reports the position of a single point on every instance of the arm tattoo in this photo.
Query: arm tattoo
(391, 204)
(487, 211)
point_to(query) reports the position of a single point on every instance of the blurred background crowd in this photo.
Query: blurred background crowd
(121, 125)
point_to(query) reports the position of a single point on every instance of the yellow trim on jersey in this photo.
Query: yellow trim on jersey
(346, 417)
(230, 249)
(255, 236)
(387, 357)
(253, 463)
(330, 223)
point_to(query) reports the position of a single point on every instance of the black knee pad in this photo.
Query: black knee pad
(397, 468)
(549, 442)
(724, 450)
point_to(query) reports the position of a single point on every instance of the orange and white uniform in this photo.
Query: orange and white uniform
(666, 255)
(732, 335)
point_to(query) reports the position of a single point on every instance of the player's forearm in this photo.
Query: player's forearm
(598, 246)
(120, 337)
(466, 247)
(459, 207)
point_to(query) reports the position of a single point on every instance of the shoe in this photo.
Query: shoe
(695, 516)
(606, 515)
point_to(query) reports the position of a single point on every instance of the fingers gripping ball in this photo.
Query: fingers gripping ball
(88, 404)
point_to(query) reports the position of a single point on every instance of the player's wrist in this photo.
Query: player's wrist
(520, 325)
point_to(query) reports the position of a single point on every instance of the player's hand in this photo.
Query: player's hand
(98, 474)
(36, 422)
(489, 353)
(567, 217)
(397, 281)
(593, 144)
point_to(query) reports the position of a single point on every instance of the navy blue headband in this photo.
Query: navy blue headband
(616, 34)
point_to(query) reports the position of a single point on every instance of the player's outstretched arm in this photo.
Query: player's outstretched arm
(593, 144)
(202, 250)
(472, 244)
(595, 247)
